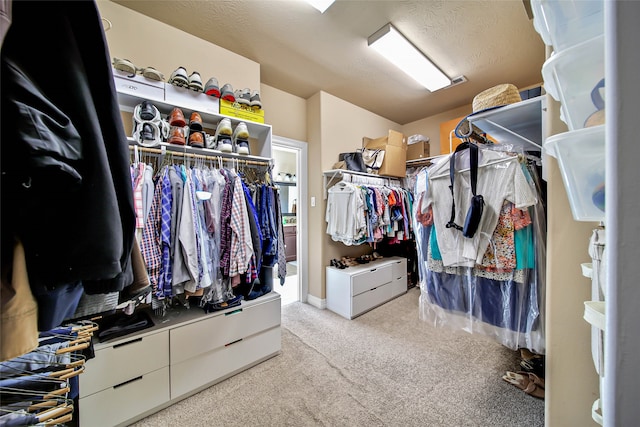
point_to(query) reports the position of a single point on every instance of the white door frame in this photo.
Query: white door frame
(302, 210)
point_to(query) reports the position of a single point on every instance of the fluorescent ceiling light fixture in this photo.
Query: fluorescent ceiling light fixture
(321, 5)
(403, 54)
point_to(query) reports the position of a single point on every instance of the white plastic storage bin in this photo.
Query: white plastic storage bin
(573, 77)
(565, 23)
(580, 156)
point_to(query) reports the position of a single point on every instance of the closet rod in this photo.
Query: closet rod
(197, 156)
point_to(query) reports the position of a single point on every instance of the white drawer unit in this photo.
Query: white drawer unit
(137, 375)
(355, 290)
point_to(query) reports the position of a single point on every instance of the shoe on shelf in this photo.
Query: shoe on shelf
(227, 94)
(125, 65)
(210, 142)
(146, 111)
(147, 132)
(196, 139)
(212, 88)
(176, 118)
(243, 96)
(242, 147)
(241, 131)
(224, 127)
(195, 122)
(176, 135)
(224, 144)
(179, 77)
(255, 102)
(195, 82)
(152, 74)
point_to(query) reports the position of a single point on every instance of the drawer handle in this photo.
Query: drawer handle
(233, 312)
(233, 342)
(127, 343)
(127, 382)
(373, 269)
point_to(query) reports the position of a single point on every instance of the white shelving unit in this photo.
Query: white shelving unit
(520, 124)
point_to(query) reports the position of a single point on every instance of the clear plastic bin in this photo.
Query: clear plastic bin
(565, 23)
(572, 77)
(581, 159)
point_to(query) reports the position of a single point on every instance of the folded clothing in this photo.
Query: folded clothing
(121, 324)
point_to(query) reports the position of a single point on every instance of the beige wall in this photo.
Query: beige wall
(430, 126)
(286, 113)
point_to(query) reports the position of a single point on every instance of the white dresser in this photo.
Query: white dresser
(184, 353)
(355, 290)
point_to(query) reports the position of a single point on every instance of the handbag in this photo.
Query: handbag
(354, 161)
(372, 159)
(474, 214)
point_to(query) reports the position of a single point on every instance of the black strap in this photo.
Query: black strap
(473, 162)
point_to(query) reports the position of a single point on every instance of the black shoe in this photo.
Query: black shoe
(147, 111)
(147, 132)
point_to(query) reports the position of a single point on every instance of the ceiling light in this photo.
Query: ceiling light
(321, 5)
(403, 54)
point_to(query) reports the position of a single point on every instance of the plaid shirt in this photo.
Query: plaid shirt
(241, 245)
(225, 225)
(150, 246)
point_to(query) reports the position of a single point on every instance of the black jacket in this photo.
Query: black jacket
(66, 188)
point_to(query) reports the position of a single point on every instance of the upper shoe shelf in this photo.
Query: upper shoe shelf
(520, 124)
(132, 90)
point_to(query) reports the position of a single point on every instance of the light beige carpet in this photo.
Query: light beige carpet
(384, 368)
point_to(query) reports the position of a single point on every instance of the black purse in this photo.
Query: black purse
(474, 214)
(354, 161)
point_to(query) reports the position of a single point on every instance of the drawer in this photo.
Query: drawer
(222, 362)
(399, 286)
(123, 361)
(125, 401)
(221, 329)
(138, 86)
(371, 278)
(399, 268)
(188, 99)
(370, 299)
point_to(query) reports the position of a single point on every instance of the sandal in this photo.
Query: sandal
(527, 382)
(125, 65)
(152, 74)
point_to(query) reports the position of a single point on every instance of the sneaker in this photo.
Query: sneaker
(212, 88)
(224, 144)
(210, 141)
(195, 122)
(241, 139)
(255, 100)
(241, 131)
(224, 128)
(176, 118)
(179, 77)
(176, 135)
(227, 93)
(195, 82)
(152, 74)
(147, 134)
(125, 65)
(196, 139)
(243, 96)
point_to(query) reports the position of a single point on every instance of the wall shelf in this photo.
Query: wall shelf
(520, 124)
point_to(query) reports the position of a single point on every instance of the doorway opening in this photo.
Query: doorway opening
(290, 176)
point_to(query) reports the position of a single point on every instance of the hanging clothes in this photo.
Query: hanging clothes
(491, 283)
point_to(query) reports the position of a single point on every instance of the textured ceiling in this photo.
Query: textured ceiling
(301, 51)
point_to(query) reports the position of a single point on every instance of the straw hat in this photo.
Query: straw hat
(495, 97)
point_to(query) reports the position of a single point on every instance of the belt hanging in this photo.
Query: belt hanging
(473, 150)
